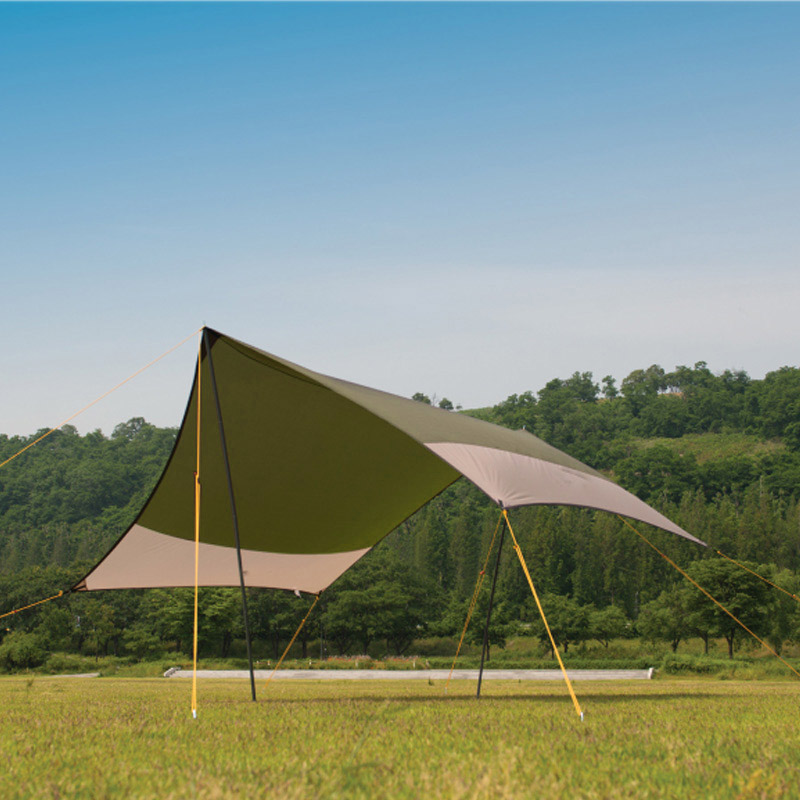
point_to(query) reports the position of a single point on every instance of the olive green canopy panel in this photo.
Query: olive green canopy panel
(322, 470)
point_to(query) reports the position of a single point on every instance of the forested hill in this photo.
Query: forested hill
(719, 453)
(68, 497)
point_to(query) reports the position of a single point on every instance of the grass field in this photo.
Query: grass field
(708, 446)
(134, 738)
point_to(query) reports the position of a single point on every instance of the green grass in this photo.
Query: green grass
(712, 446)
(134, 738)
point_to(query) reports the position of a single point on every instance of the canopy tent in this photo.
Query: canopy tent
(293, 476)
(321, 470)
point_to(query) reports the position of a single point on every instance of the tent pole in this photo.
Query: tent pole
(233, 512)
(489, 612)
(544, 618)
(195, 614)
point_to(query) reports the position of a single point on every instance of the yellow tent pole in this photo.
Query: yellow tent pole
(544, 619)
(473, 602)
(196, 534)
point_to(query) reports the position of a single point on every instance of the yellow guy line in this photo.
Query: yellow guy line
(102, 396)
(712, 599)
(37, 603)
(544, 618)
(196, 531)
(288, 646)
(760, 577)
(473, 602)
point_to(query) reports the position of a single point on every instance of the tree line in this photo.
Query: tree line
(717, 453)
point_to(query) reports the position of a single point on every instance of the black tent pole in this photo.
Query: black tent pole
(491, 602)
(233, 511)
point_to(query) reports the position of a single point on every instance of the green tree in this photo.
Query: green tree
(141, 642)
(169, 614)
(666, 415)
(347, 618)
(21, 650)
(784, 618)
(663, 619)
(56, 627)
(658, 474)
(498, 624)
(274, 616)
(608, 623)
(743, 594)
(98, 623)
(222, 617)
(516, 412)
(398, 616)
(642, 386)
(610, 390)
(568, 621)
(432, 545)
(775, 404)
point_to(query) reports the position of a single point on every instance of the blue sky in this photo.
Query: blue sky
(461, 199)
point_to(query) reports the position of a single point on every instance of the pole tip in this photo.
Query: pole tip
(194, 713)
(581, 716)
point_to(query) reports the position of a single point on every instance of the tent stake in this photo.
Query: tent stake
(489, 612)
(233, 512)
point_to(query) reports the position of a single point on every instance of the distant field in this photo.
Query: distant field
(134, 738)
(707, 446)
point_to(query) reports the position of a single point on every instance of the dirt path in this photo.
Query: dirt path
(423, 674)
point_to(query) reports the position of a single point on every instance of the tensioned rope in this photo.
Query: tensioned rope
(544, 618)
(289, 646)
(196, 533)
(760, 577)
(708, 595)
(94, 402)
(474, 600)
(69, 419)
(31, 605)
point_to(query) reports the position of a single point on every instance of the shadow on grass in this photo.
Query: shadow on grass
(588, 697)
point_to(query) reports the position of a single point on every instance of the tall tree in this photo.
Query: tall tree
(740, 592)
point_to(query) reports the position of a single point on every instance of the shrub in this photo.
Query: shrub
(21, 651)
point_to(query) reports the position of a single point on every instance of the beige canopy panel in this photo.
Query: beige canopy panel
(318, 471)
